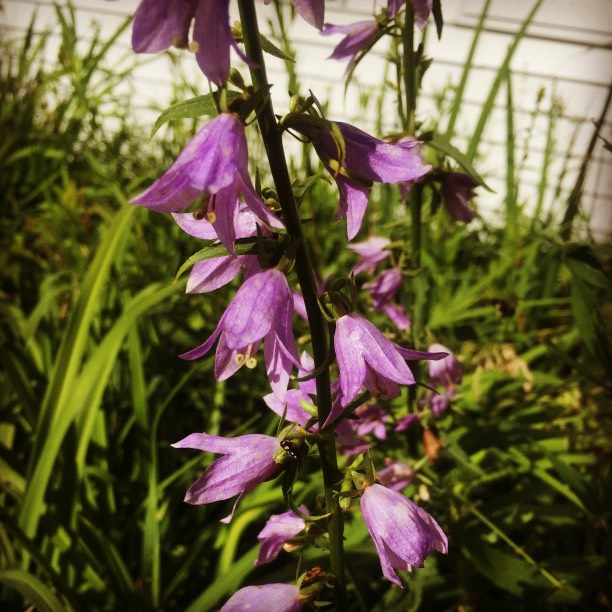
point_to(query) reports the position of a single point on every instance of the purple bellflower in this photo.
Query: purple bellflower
(262, 309)
(372, 419)
(422, 9)
(213, 273)
(160, 24)
(358, 36)
(279, 529)
(458, 190)
(213, 164)
(366, 358)
(371, 252)
(382, 290)
(264, 598)
(367, 159)
(403, 533)
(246, 462)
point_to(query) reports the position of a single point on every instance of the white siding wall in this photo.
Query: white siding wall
(567, 53)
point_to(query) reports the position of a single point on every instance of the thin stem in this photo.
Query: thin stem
(409, 70)
(272, 138)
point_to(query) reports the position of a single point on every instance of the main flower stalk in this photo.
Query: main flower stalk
(272, 138)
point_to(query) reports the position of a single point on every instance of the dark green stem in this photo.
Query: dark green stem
(272, 138)
(409, 70)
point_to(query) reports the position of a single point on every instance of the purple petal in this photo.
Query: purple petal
(253, 201)
(211, 274)
(311, 11)
(250, 315)
(354, 201)
(349, 354)
(201, 350)
(278, 529)
(264, 598)
(213, 34)
(411, 355)
(199, 228)
(160, 24)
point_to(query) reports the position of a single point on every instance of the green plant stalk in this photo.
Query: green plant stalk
(409, 70)
(272, 138)
(573, 201)
(511, 184)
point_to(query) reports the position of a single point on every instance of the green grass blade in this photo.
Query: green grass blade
(35, 592)
(511, 184)
(487, 107)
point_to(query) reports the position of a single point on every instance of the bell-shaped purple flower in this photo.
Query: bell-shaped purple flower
(358, 36)
(366, 358)
(160, 24)
(457, 191)
(403, 533)
(246, 462)
(262, 309)
(213, 164)
(279, 529)
(366, 159)
(265, 598)
(311, 11)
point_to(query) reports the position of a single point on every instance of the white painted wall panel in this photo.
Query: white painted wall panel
(567, 53)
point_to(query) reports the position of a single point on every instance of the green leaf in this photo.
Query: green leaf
(441, 144)
(34, 591)
(272, 49)
(437, 13)
(193, 108)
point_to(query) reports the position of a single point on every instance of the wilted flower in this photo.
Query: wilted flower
(366, 159)
(358, 36)
(382, 290)
(213, 164)
(403, 533)
(278, 529)
(246, 462)
(262, 309)
(458, 190)
(264, 598)
(371, 252)
(160, 24)
(366, 358)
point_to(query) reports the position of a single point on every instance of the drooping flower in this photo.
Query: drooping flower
(264, 598)
(366, 358)
(279, 529)
(366, 159)
(422, 9)
(403, 533)
(457, 191)
(383, 290)
(160, 24)
(358, 36)
(371, 252)
(246, 462)
(213, 164)
(262, 309)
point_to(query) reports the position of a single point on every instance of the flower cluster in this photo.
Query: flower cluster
(211, 196)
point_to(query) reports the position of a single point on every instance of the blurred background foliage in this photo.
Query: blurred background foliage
(92, 394)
